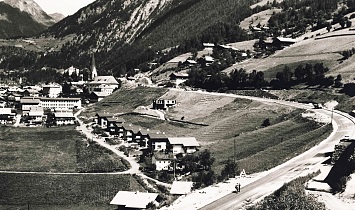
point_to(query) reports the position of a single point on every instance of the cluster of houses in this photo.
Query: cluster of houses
(164, 147)
(33, 103)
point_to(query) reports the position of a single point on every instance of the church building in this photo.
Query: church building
(103, 85)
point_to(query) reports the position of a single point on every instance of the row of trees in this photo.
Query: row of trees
(212, 79)
(309, 74)
(297, 16)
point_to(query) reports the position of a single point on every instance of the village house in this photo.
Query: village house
(131, 134)
(183, 145)
(136, 136)
(14, 97)
(208, 47)
(179, 78)
(158, 141)
(35, 115)
(163, 104)
(189, 63)
(64, 118)
(281, 42)
(61, 103)
(28, 102)
(205, 60)
(134, 200)
(6, 116)
(101, 119)
(97, 96)
(72, 70)
(163, 161)
(52, 90)
(31, 93)
(113, 121)
(118, 130)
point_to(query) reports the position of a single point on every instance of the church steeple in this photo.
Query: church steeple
(93, 67)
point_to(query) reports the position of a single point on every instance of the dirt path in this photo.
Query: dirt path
(87, 131)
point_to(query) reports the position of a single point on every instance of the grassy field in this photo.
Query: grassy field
(94, 158)
(57, 149)
(123, 101)
(38, 149)
(62, 191)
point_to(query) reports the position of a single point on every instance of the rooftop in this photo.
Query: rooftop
(60, 99)
(25, 100)
(5, 110)
(285, 39)
(181, 188)
(185, 141)
(138, 200)
(104, 80)
(64, 114)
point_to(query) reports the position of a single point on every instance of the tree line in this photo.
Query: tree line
(211, 79)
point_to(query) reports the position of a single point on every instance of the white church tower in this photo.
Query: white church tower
(93, 68)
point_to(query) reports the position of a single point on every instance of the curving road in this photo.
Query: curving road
(299, 166)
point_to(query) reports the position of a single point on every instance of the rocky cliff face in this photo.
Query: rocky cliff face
(109, 22)
(33, 9)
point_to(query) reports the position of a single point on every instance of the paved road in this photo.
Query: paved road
(343, 125)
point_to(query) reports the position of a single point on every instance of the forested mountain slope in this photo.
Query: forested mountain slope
(14, 23)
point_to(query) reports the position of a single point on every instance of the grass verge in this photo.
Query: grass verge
(290, 196)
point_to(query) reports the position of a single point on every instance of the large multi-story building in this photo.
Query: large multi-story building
(61, 103)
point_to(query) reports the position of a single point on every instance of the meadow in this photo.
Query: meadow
(46, 191)
(55, 149)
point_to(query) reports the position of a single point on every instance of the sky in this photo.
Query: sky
(66, 7)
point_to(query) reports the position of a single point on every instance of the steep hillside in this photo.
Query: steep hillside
(226, 120)
(316, 46)
(14, 23)
(33, 9)
(127, 34)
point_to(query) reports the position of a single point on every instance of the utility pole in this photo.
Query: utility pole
(331, 118)
(234, 159)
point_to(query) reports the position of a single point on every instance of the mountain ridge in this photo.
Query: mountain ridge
(32, 8)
